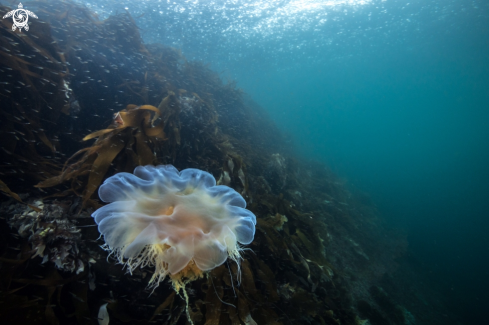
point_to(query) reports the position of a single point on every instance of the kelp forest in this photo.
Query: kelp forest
(82, 99)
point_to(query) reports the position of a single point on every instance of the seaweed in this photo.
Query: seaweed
(129, 139)
(317, 247)
(25, 296)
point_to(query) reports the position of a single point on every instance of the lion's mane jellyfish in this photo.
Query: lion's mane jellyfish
(179, 222)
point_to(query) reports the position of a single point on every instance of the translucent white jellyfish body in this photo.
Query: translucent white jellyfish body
(172, 220)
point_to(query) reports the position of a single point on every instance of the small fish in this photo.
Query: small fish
(76, 297)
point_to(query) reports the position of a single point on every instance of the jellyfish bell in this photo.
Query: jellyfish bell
(181, 223)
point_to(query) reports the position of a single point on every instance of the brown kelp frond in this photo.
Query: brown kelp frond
(6, 190)
(128, 142)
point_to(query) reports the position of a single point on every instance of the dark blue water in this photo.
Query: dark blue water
(412, 131)
(393, 95)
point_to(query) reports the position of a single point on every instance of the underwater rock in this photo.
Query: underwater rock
(276, 172)
(184, 115)
(52, 232)
(103, 315)
(224, 179)
(193, 110)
